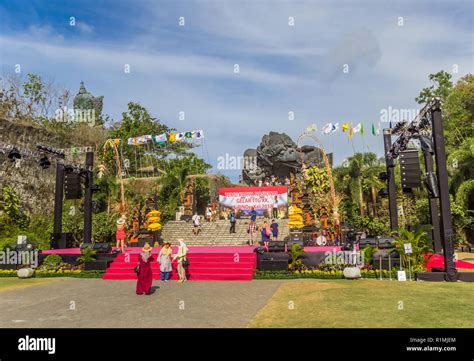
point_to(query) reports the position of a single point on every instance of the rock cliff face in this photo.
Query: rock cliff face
(278, 155)
(34, 186)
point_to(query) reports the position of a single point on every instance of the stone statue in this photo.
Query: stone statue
(278, 155)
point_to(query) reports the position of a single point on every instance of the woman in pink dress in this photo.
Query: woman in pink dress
(145, 274)
(120, 234)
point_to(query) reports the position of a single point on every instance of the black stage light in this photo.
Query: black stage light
(431, 183)
(383, 176)
(14, 154)
(44, 162)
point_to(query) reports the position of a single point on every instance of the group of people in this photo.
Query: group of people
(267, 231)
(165, 259)
(271, 181)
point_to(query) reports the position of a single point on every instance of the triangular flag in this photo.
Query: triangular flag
(373, 129)
(311, 128)
(357, 128)
(188, 134)
(172, 137)
(379, 128)
(198, 134)
(160, 139)
(179, 137)
(350, 132)
(335, 127)
(327, 128)
(362, 129)
(345, 127)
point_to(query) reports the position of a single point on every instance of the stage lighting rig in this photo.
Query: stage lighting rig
(50, 150)
(399, 127)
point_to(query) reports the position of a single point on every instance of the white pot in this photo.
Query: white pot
(25, 272)
(351, 273)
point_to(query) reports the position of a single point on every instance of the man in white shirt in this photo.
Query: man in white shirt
(196, 224)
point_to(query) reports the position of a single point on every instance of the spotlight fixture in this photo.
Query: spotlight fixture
(14, 154)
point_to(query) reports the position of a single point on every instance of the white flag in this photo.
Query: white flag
(198, 134)
(335, 127)
(327, 128)
(357, 128)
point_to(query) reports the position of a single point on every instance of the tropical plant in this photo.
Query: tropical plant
(368, 254)
(296, 264)
(11, 206)
(419, 243)
(174, 179)
(87, 255)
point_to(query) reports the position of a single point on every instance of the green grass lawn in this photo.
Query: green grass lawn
(10, 283)
(368, 303)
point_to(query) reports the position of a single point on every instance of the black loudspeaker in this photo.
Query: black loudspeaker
(410, 171)
(99, 247)
(276, 246)
(62, 240)
(72, 186)
(272, 261)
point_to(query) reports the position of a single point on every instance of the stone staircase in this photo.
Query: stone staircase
(215, 233)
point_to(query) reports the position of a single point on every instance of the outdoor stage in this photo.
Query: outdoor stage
(225, 263)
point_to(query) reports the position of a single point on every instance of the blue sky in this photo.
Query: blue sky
(282, 68)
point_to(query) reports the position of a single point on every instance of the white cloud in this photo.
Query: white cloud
(84, 27)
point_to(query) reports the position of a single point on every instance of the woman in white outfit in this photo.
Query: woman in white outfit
(181, 256)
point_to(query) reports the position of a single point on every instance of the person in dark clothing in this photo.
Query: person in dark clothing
(274, 228)
(253, 214)
(232, 222)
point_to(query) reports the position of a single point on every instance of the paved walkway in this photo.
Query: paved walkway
(101, 303)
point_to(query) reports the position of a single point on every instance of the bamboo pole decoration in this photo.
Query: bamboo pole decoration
(111, 143)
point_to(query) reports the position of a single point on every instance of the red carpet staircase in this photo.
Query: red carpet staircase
(202, 266)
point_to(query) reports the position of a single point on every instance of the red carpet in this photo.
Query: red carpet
(205, 263)
(437, 260)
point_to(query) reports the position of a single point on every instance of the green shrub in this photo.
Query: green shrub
(52, 262)
(87, 255)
